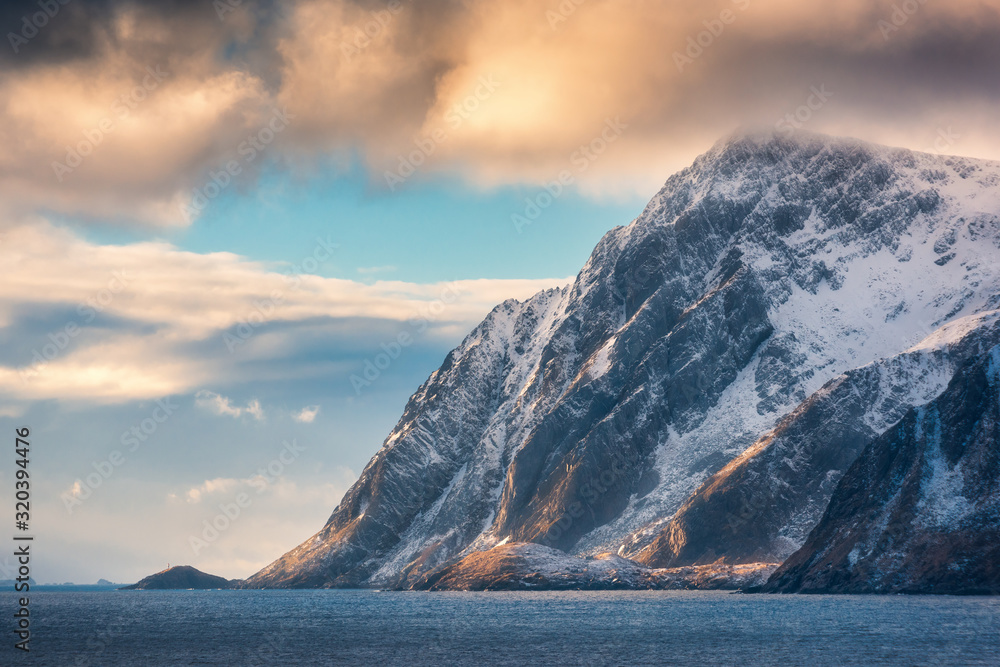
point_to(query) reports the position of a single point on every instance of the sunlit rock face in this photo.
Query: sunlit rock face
(533, 567)
(584, 418)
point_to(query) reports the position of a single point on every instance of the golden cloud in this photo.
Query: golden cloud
(512, 92)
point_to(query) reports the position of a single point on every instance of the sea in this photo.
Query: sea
(350, 627)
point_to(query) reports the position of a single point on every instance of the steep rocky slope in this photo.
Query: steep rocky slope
(762, 505)
(919, 511)
(583, 418)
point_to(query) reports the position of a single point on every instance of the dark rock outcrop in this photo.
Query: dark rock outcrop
(919, 511)
(180, 577)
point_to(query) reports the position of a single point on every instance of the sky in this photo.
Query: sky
(218, 218)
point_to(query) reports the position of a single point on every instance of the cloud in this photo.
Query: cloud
(253, 408)
(223, 406)
(11, 411)
(127, 123)
(512, 92)
(307, 414)
(75, 490)
(147, 320)
(279, 487)
(678, 74)
(211, 486)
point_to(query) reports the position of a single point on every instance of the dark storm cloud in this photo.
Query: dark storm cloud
(54, 31)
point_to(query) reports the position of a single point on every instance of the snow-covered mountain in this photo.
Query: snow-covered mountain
(584, 418)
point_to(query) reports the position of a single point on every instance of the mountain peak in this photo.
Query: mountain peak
(764, 139)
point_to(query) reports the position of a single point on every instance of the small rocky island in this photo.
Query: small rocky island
(181, 577)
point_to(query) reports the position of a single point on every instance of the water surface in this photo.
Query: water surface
(558, 628)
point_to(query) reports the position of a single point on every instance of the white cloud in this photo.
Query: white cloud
(307, 414)
(223, 406)
(210, 486)
(326, 494)
(147, 320)
(75, 491)
(253, 408)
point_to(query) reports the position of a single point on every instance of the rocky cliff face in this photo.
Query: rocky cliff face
(919, 511)
(584, 418)
(763, 504)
